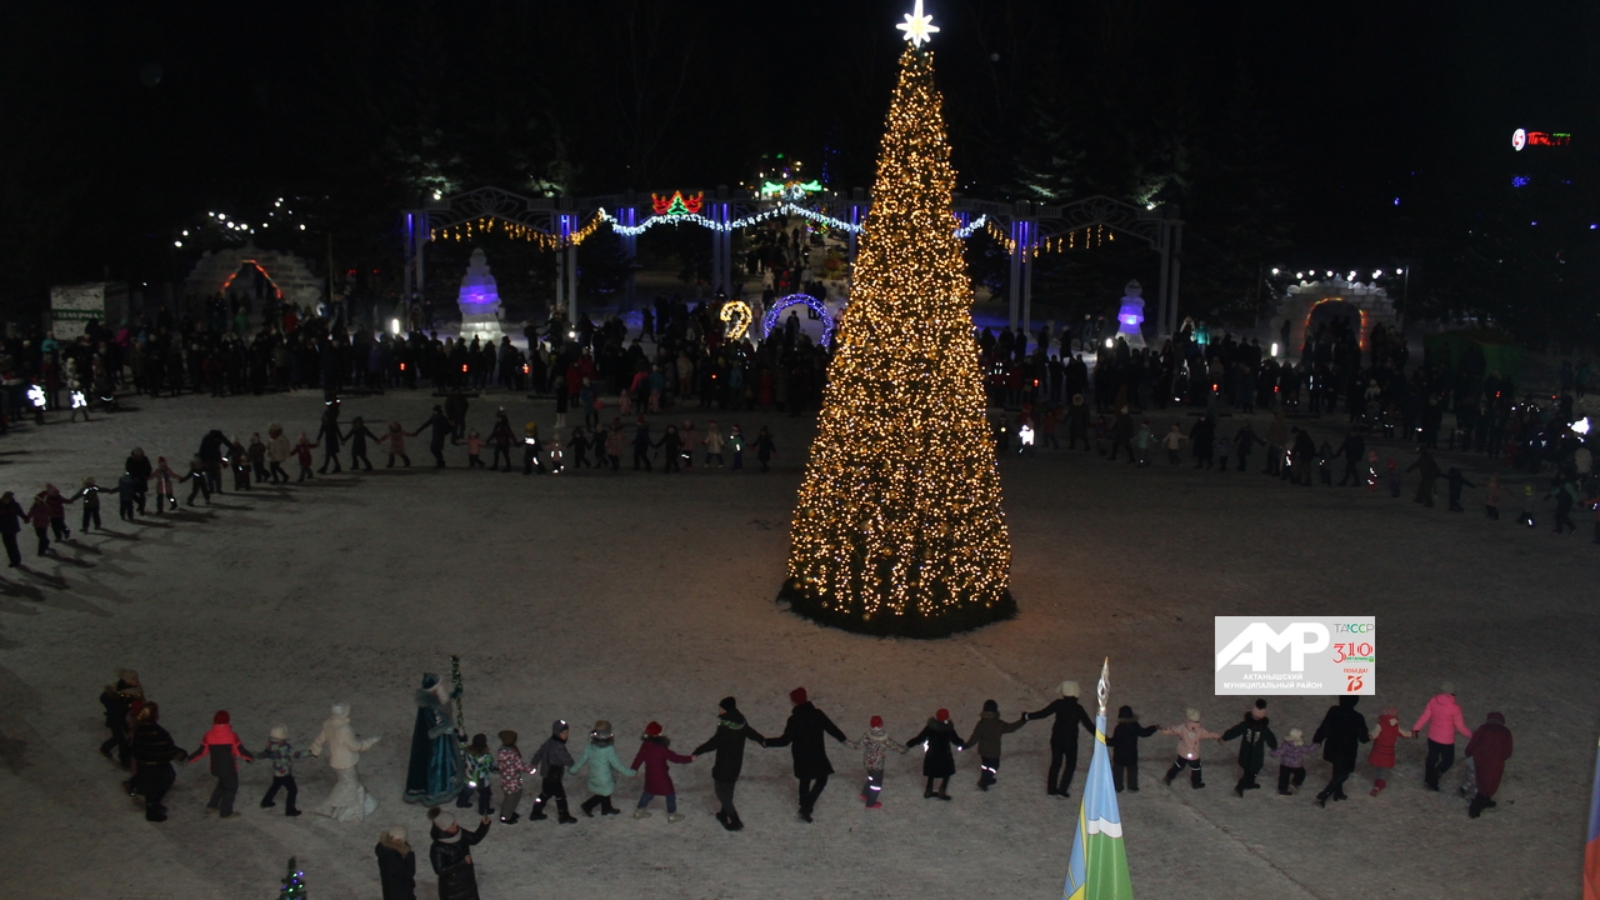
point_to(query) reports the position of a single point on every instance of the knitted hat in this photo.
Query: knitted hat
(442, 819)
(797, 696)
(991, 706)
(1447, 687)
(1069, 688)
(429, 680)
(601, 730)
(1261, 703)
(557, 727)
(652, 730)
(509, 738)
(875, 722)
(221, 718)
(942, 715)
(279, 732)
(1497, 717)
(1192, 714)
(728, 704)
(1125, 712)
(129, 677)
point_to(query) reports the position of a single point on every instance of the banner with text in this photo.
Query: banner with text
(1284, 655)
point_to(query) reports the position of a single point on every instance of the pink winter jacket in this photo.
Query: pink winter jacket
(1444, 720)
(1189, 736)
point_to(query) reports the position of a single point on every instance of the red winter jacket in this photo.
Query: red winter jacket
(654, 756)
(1489, 749)
(222, 737)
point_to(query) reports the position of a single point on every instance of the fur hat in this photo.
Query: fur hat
(875, 722)
(942, 715)
(1192, 714)
(1069, 688)
(797, 696)
(1447, 687)
(221, 718)
(396, 834)
(652, 730)
(279, 732)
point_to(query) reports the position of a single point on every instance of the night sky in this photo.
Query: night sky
(1285, 130)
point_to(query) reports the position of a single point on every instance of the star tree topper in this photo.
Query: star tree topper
(918, 27)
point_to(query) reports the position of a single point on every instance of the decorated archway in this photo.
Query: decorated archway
(770, 321)
(1370, 302)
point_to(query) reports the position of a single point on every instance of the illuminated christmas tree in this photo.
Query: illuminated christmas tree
(898, 528)
(294, 883)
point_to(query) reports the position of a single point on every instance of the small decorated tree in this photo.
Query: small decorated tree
(294, 883)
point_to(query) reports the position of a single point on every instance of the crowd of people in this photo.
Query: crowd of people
(448, 772)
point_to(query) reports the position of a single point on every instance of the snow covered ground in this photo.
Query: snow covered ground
(632, 597)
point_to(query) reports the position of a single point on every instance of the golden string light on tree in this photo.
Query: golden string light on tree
(898, 527)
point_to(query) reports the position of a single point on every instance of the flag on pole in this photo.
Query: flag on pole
(1099, 867)
(1591, 854)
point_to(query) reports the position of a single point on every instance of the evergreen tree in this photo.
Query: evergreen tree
(898, 527)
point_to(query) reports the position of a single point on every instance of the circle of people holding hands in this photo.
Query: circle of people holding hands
(448, 772)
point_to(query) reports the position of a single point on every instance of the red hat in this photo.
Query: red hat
(797, 696)
(653, 729)
(876, 722)
(942, 715)
(221, 718)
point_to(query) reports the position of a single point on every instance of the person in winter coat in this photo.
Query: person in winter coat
(988, 736)
(551, 761)
(1255, 736)
(727, 742)
(875, 746)
(1291, 756)
(1069, 716)
(713, 442)
(282, 755)
(154, 752)
(671, 446)
(349, 800)
(127, 491)
(615, 440)
(222, 745)
(1189, 736)
(39, 517)
(1489, 749)
(1444, 721)
(395, 437)
(1124, 745)
(451, 855)
(480, 765)
(256, 452)
(509, 763)
(357, 438)
(1384, 736)
(653, 757)
(765, 449)
(440, 429)
(118, 700)
(397, 865)
(1341, 730)
(641, 444)
(600, 757)
(11, 516)
(278, 451)
(302, 457)
(938, 761)
(1428, 469)
(803, 734)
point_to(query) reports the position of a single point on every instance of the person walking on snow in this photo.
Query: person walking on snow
(554, 759)
(1124, 745)
(1384, 737)
(653, 756)
(1255, 737)
(509, 763)
(728, 743)
(1291, 756)
(1069, 715)
(282, 754)
(223, 746)
(875, 746)
(1341, 730)
(938, 761)
(601, 759)
(988, 736)
(1489, 749)
(803, 735)
(1444, 721)
(1189, 736)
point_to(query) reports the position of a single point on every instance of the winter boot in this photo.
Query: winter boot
(537, 815)
(1378, 786)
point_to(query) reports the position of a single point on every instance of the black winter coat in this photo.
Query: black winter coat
(804, 732)
(398, 873)
(457, 881)
(938, 761)
(1068, 712)
(1256, 738)
(1124, 742)
(728, 743)
(1341, 730)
